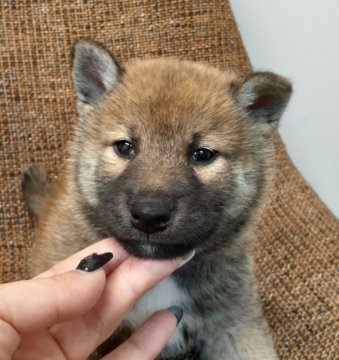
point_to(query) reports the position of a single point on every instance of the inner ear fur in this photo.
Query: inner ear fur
(95, 72)
(263, 96)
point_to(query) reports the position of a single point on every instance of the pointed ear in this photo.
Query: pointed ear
(94, 72)
(263, 96)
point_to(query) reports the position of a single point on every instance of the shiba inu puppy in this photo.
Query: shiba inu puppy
(169, 156)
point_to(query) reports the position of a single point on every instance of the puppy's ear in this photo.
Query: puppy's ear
(95, 72)
(263, 96)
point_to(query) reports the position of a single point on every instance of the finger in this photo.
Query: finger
(32, 305)
(107, 245)
(148, 341)
(123, 288)
(9, 340)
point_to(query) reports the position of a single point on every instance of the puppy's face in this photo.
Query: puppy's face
(170, 155)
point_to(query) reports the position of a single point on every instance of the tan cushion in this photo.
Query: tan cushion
(295, 247)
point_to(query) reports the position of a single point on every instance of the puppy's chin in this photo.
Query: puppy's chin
(151, 250)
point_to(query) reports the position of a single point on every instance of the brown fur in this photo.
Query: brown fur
(168, 109)
(183, 109)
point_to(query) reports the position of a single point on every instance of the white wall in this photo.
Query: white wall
(300, 39)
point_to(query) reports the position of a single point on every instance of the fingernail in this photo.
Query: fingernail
(177, 311)
(187, 257)
(94, 261)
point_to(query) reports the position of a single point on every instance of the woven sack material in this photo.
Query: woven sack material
(295, 245)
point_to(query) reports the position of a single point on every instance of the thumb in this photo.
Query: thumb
(32, 305)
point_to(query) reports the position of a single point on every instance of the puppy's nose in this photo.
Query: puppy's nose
(150, 215)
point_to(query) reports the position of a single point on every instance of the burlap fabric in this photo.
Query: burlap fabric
(296, 239)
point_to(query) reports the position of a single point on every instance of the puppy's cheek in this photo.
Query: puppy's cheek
(86, 178)
(103, 164)
(208, 174)
(113, 165)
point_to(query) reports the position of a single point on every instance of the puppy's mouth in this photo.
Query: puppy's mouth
(152, 250)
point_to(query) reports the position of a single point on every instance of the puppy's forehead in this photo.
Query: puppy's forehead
(170, 97)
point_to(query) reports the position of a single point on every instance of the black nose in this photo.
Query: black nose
(150, 214)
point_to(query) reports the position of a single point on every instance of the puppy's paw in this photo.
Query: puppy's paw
(35, 186)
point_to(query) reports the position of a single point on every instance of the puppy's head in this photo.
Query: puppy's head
(170, 155)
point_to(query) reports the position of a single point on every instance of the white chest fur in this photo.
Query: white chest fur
(162, 296)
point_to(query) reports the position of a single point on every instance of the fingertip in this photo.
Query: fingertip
(94, 262)
(100, 247)
(186, 258)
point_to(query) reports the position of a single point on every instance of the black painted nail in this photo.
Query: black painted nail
(177, 311)
(94, 261)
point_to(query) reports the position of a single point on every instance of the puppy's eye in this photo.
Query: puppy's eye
(124, 149)
(203, 156)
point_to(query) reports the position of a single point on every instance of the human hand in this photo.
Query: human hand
(66, 313)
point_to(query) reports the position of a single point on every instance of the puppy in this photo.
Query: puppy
(169, 156)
